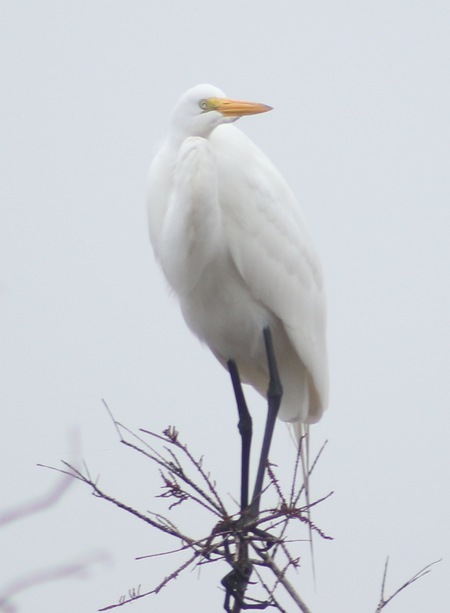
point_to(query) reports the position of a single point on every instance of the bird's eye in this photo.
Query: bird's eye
(203, 104)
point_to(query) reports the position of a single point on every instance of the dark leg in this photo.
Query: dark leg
(274, 395)
(236, 582)
(245, 429)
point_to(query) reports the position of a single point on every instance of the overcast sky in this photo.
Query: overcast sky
(360, 129)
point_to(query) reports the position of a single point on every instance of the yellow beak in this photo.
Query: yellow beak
(236, 108)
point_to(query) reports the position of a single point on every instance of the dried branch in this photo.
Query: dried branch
(48, 575)
(36, 505)
(247, 544)
(384, 601)
(184, 480)
(283, 580)
(161, 523)
(136, 595)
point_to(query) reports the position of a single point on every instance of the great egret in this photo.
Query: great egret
(232, 243)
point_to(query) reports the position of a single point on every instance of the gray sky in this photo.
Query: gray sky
(360, 129)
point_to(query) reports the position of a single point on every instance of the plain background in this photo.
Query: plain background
(360, 129)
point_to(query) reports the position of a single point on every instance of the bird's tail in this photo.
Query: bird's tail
(303, 439)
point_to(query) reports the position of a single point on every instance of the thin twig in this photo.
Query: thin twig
(281, 576)
(197, 464)
(123, 601)
(76, 474)
(37, 505)
(229, 540)
(46, 576)
(215, 506)
(421, 573)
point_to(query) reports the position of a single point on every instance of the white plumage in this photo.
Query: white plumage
(231, 240)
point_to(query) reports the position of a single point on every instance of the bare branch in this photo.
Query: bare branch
(385, 601)
(245, 543)
(164, 526)
(72, 569)
(137, 596)
(36, 505)
(282, 579)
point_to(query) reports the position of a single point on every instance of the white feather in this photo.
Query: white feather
(231, 240)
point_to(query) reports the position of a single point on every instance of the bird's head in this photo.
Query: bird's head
(204, 107)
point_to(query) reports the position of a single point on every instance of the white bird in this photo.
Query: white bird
(231, 240)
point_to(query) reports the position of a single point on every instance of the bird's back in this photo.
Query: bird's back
(273, 252)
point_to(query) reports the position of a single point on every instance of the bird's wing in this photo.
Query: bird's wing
(271, 246)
